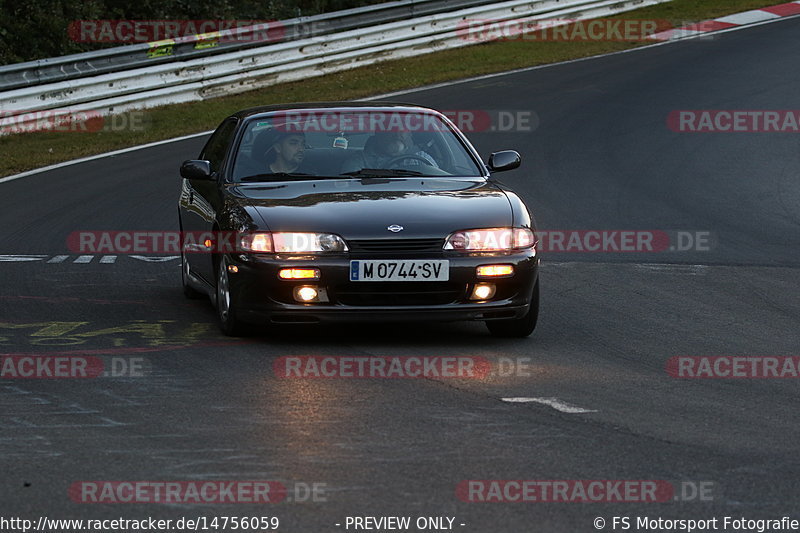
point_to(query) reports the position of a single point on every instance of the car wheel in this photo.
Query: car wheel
(518, 327)
(188, 291)
(226, 303)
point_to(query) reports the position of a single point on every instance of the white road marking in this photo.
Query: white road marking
(694, 270)
(149, 259)
(748, 17)
(555, 403)
(101, 156)
(678, 33)
(21, 258)
(83, 259)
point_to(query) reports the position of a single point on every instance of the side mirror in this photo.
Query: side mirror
(196, 169)
(505, 160)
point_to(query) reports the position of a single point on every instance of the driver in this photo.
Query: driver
(273, 152)
(287, 152)
(382, 148)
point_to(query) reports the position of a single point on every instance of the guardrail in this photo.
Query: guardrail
(120, 58)
(243, 70)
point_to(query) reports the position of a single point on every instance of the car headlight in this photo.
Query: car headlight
(490, 240)
(291, 242)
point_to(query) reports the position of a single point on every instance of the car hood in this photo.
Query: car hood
(363, 209)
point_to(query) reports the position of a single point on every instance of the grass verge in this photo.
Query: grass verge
(27, 151)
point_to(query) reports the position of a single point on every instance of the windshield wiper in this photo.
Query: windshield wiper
(281, 176)
(383, 172)
(268, 176)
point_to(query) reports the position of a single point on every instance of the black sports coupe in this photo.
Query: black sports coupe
(319, 212)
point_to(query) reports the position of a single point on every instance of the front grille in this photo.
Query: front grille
(387, 293)
(394, 246)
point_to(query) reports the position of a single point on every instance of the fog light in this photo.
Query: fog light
(483, 291)
(299, 273)
(308, 294)
(494, 271)
(233, 269)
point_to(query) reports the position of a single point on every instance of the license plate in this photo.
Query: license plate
(400, 270)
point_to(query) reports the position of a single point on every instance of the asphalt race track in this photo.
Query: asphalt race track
(601, 158)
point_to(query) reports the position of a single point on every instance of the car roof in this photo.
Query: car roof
(311, 106)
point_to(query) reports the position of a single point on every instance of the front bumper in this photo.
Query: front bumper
(260, 296)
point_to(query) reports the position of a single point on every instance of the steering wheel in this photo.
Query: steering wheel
(405, 157)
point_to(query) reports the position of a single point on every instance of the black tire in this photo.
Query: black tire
(225, 303)
(188, 291)
(518, 327)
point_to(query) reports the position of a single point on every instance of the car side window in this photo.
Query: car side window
(217, 145)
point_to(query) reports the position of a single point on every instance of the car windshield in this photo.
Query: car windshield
(313, 144)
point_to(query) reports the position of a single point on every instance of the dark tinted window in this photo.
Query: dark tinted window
(341, 141)
(216, 146)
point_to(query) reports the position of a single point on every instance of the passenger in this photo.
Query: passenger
(383, 148)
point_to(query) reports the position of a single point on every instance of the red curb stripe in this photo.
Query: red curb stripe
(783, 10)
